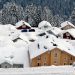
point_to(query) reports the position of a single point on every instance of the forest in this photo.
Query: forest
(34, 11)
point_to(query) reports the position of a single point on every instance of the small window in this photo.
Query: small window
(70, 58)
(0, 66)
(55, 55)
(24, 30)
(17, 65)
(38, 46)
(45, 26)
(47, 36)
(38, 64)
(6, 66)
(31, 30)
(70, 63)
(44, 58)
(64, 63)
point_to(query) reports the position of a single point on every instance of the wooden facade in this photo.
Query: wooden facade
(23, 27)
(67, 35)
(54, 57)
(67, 27)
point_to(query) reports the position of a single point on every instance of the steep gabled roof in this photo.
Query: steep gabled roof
(43, 24)
(20, 23)
(66, 23)
(70, 31)
(48, 45)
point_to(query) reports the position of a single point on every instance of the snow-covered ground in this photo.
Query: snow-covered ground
(52, 70)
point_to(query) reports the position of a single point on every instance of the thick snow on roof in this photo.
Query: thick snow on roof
(18, 50)
(6, 30)
(20, 43)
(55, 30)
(71, 42)
(14, 54)
(28, 36)
(4, 41)
(20, 23)
(47, 45)
(44, 24)
(67, 23)
(70, 31)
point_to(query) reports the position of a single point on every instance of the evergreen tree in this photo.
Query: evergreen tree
(72, 17)
(12, 13)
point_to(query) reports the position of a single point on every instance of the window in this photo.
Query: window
(45, 26)
(55, 55)
(38, 64)
(31, 30)
(6, 66)
(64, 63)
(0, 66)
(70, 58)
(44, 58)
(70, 63)
(17, 65)
(55, 62)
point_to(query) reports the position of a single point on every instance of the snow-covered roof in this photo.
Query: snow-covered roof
(67, 23)
(12, 54)
(43, 24)
(47, 45)
(6, 30)
(70, 31)
(55, 30)
(20, 23)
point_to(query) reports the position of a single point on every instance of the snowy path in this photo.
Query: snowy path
(64, 70)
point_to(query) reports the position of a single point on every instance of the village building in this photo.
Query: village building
(67, 25)
(22, 25)
(54, 31)
(44, 25)
(68, 34)
(51, 52)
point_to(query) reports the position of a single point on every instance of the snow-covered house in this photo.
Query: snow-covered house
(23, 25)
(68, 34)
(67, 25)
(13, 54)
(51, 52)
(13, 57)
(54, 31)
(44, 25)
